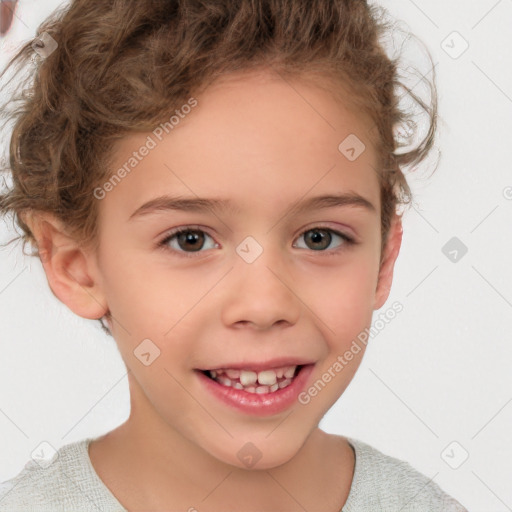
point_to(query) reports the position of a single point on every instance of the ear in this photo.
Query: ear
(6, 14)
(70, 268)
(391, 250)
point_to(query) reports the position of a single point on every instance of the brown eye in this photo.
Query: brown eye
(187, 240)
(192, 240)
(319, 239)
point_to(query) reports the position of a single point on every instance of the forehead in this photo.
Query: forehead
(253, 137)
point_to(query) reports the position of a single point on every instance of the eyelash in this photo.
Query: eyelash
(348, 241)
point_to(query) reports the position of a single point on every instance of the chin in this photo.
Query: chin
(254, 456)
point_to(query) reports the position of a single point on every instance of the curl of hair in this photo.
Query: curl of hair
(122, 66)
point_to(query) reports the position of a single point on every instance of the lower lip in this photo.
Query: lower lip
(259, 404)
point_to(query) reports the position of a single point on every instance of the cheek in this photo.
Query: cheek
(344, 293)
(343, 301)
(160, 306)
(148, 294)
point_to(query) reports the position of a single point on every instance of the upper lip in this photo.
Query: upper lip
(263, 365)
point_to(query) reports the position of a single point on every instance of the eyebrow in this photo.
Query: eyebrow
(199, 204)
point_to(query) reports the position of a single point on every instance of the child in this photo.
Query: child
(256, 130)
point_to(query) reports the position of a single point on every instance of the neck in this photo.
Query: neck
(163, 470)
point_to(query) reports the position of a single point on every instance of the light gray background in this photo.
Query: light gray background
(438, 373)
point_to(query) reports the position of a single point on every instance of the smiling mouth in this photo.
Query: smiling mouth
(262, 382)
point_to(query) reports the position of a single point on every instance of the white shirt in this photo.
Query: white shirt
(380, 484)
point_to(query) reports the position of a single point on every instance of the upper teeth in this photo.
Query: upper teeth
(267, 377)
(250, 378)
(247, 378)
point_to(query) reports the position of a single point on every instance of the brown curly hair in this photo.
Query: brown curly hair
(126, 65)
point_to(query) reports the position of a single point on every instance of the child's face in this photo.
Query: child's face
(262, 144)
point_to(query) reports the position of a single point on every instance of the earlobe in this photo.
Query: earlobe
(71, 270)
(391, 251)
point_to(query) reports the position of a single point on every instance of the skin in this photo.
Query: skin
(254, 140)
(7, 8)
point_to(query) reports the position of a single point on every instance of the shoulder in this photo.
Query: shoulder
(67, 483)
(382, 482)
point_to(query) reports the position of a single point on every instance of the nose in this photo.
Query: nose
(260, 294)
